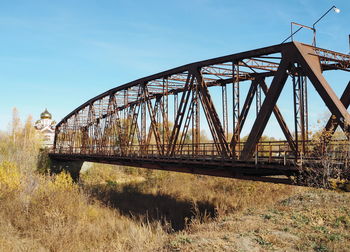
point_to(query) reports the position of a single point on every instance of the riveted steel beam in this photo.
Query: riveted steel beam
(332, 123)
(312, 68)
(280, 119)
(180, 114)
(266, 109)
(211, 115)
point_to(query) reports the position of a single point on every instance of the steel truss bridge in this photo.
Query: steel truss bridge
(155, 122)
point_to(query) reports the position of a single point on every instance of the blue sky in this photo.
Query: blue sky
(58, 54)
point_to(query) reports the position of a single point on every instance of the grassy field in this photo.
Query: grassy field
(130, 209)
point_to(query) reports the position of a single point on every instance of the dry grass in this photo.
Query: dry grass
(177, 198)
(128, 209)
(46, 214)
(312, 220)
(131, 209)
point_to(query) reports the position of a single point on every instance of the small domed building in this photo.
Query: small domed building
(47, 127)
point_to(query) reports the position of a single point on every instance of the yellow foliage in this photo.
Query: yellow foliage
(10, 177)
(340, 184)
(62, 182)
(52, 214)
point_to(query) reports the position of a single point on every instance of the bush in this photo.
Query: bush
(10, 178)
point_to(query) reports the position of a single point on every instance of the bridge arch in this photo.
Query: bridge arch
(159, 116)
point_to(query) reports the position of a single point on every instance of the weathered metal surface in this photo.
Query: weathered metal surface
(158, 117)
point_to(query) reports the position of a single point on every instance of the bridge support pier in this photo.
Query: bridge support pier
(72, 167)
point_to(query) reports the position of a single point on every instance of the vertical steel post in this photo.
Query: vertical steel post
(300, 110)
(143, 122)
(302, 81)
(258, 99)
(224, 109)
(236, 110)
(165, 103)
(124, 121)
(306, 110)
(296, 113)
(163, 113)
(195, 119)
(176, 106)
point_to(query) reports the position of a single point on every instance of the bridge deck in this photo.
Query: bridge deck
(222, 167)
(271, 159)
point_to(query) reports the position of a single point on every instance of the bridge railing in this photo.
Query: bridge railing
(268, 151)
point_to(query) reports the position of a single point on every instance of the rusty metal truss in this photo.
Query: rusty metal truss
(155, 121)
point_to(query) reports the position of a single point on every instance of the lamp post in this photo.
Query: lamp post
(301, 26)
(336, 10)
(308, 27)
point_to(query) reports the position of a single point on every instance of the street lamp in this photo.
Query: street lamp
(335, 9)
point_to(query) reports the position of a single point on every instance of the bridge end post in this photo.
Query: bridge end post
(70, 166)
